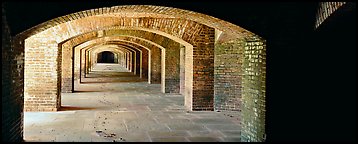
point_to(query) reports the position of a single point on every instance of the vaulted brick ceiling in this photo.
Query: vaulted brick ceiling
(262, 18)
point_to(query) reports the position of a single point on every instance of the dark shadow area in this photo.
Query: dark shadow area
(100, 74)
(113, 81)
(311, 78)
(105, 57)
(69, 108)
(89, 91)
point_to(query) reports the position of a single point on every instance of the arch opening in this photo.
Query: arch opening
(106, 57)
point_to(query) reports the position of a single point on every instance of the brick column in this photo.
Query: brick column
(77, 64)
(172, 69)
(182, 70)
(203, 70)
(67, 69)
(253, 91)
(42, 73)
(155, 66)
(228, 74)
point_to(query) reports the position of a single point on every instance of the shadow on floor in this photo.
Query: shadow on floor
(70, 108)
(88, 91)
(112, 81)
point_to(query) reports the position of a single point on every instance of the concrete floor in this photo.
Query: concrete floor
(115, 106)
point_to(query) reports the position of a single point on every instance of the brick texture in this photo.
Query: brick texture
(12, 86)
(253, 91)
(203, 70)
(228, 74)
(325, 10)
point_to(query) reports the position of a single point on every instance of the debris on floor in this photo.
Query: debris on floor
(103, 134)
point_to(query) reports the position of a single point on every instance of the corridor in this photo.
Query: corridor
(113, 105)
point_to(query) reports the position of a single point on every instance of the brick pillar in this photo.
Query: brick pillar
(42, 73)
(12, 75)
(203, 70)
(145, 64)
(228, 74)
(88, 63)
(84, 64)
(77, 65)
(182, 70)
(172, 68)
(155, 66)
(253, 91)
(137, 59)
(67, 69)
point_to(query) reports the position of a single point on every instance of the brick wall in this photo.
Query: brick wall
(66, 68)
(12, 86)
(172, 69)
(228, 60)
(325, 9)
(253, 91)
(155, 66)
(203, 70)
(42, 70)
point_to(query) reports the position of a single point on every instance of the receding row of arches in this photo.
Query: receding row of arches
(214, 64)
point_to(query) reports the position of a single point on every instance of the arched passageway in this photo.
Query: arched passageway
(142, 71)
(106, 57)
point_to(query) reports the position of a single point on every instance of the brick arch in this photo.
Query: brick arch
(152, 49)
(87, 45)
(134, 35)
(112, 50)
(142, 45)
(132, 63)
(144, 11)
(171, 82)
(89, 63)
(109, 47)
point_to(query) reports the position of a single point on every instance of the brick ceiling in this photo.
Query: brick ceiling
(262, 18)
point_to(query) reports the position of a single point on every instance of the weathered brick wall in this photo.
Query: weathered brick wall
(88, 65)
(203, 70)
(172, 69)
(137, 64)
(156, 68)
(42, 70)
(66, 68)
(253, 91)
(227, 73)
(12, 86)
(145, 61)
(325, 10)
